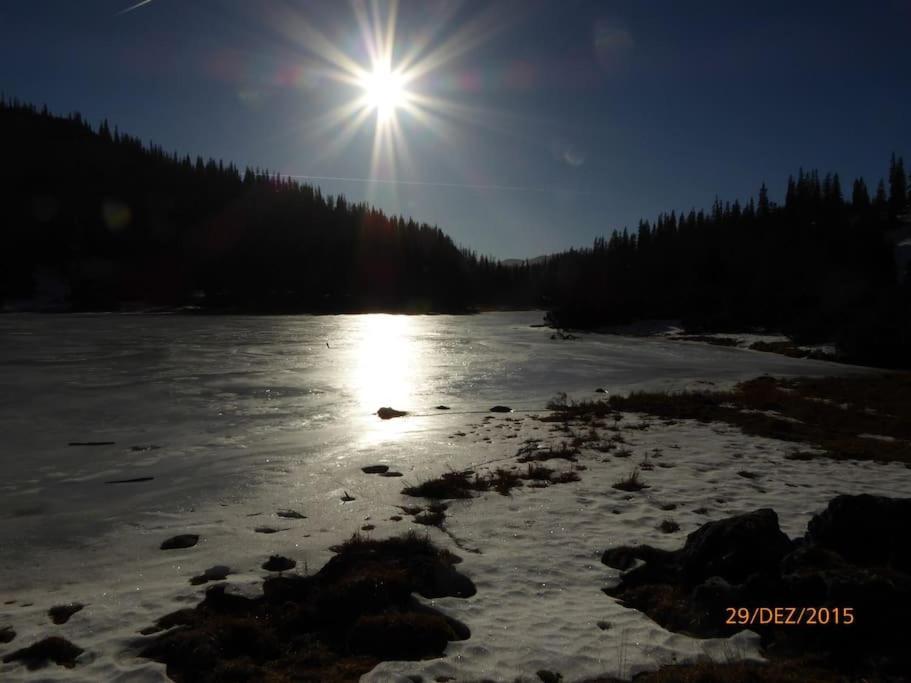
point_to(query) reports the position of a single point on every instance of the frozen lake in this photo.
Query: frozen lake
(232, 418)
(213, 393)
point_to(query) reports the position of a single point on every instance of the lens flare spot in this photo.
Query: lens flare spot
(116, 214)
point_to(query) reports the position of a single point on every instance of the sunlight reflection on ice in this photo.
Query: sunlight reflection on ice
(386, 367)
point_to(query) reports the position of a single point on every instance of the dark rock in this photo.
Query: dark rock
(277, 563)
(400, 636)
(746, 561)
(54, 649)
(387, 413)
(866, 530)
(501, 409)
(391, 474)
(267, 530)
(624, 557)
(61, 614)
(549, 676)
(441, 407)
(375, 469)
(129, 481)
(716, 593)
(7, 634)
(621, 558)
(181, 541)
(811, 559)
(217, 573)
(735, 547)
(368, 527)
(434, 517)
(600, 390)
(91, 443)
(290, 514)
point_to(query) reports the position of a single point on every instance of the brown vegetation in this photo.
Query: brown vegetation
(631, 483)
(790, 349)
(830, 413)
(336, 625)
(463, 484)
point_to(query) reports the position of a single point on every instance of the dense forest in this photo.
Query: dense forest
(821, 267)
(95, 220)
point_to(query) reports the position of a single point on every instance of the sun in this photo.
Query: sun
(384, 91)
(399, 86)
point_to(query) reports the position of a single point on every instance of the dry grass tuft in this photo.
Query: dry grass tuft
(829, 413)
(631, 483)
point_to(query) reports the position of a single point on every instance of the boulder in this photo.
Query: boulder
(277, 563)
(866, 530)
(852, 564)
(60, 614)
(734, 548)
(217, 573)
(181, 541)
(387, 413)
(716, 593)
(624, 557)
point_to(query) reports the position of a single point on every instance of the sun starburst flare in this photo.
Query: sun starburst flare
(387, 85)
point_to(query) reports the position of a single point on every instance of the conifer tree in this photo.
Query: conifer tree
(898, 186)
(860, 197)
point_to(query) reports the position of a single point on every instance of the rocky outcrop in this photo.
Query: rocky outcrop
(854, 556)
(866, 530)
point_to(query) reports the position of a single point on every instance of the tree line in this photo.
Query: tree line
(820, 267)
(94, 219)
(110, 221)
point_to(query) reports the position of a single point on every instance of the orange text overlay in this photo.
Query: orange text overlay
(789, 616)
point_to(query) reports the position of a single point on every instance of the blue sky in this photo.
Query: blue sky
(553, 122)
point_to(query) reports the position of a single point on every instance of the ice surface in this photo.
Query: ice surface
(238, 418)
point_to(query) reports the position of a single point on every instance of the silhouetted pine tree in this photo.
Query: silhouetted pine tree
(860, 197)
(898, 186)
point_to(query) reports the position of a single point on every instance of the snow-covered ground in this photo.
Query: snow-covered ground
(237, 418)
